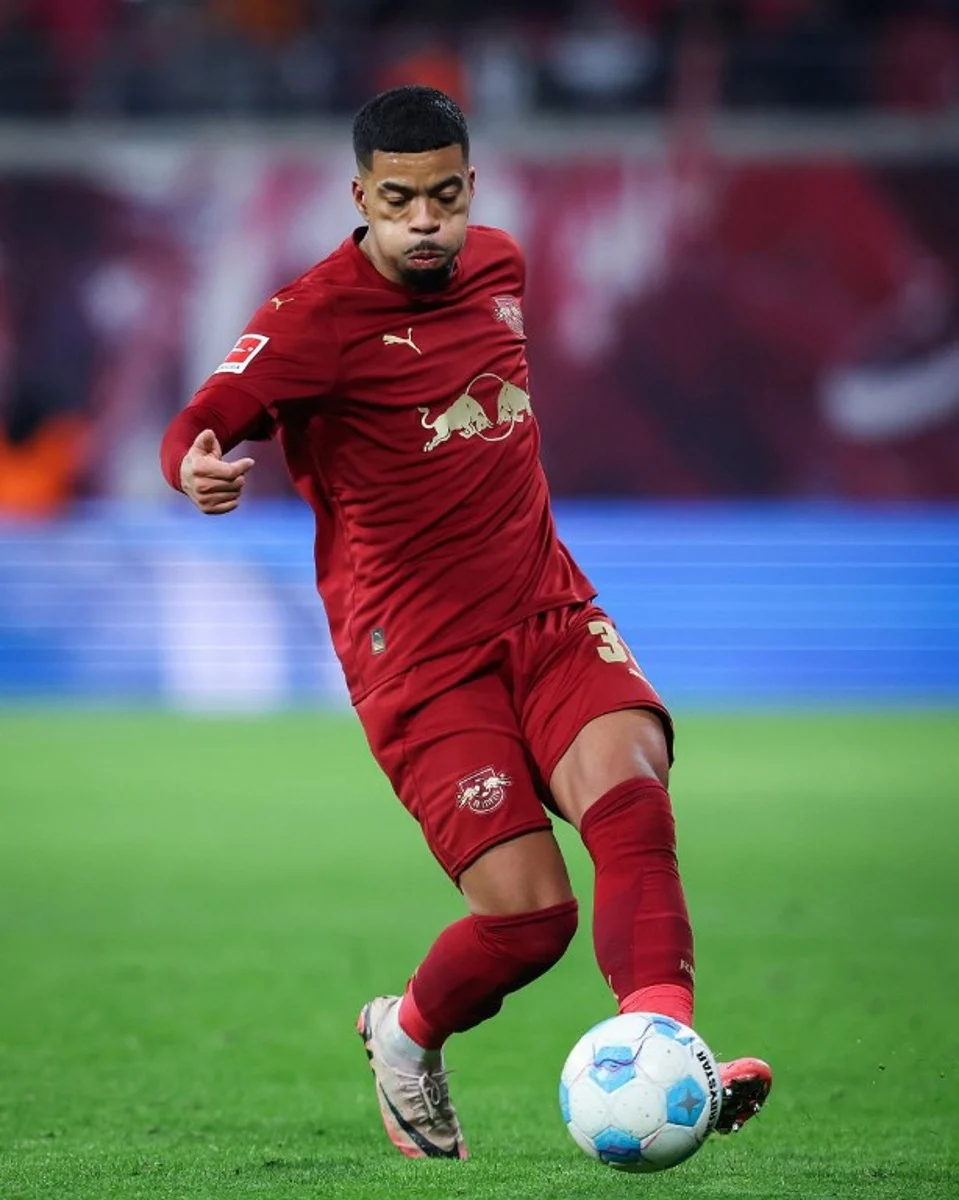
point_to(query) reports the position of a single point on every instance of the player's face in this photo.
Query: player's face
(416, 206)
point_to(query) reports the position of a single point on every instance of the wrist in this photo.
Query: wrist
(175, 448)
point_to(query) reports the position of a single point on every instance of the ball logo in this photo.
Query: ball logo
(483, 791)
(712, 1082)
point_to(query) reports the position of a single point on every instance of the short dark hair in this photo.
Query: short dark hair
(408, 120)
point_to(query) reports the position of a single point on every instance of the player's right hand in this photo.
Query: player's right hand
(213, 485)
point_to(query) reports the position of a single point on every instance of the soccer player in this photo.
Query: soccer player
(490, 687)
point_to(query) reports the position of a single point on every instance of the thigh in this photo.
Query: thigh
(459, 765)
(522, 875)
(583, 673)
(609, 750)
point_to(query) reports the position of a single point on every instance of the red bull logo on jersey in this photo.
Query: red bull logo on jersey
(483, 791)
(467, 416)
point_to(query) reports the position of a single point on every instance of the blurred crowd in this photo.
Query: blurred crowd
(829, 292)
(500, 58)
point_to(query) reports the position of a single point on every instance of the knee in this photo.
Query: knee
(552, 934)
(636, 814)
(536, 939)
(655, 763)
(628, 745)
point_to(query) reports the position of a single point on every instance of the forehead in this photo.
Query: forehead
(417, 170)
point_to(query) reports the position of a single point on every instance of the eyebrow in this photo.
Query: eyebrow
(389, 185)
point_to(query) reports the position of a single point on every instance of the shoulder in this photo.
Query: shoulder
(302, 303)
(293, 325)
(496, 252)
(495, 244)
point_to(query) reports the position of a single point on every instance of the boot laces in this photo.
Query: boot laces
(431, 1090)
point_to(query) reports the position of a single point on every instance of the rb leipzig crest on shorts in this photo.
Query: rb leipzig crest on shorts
(483, 791)
(508, 310)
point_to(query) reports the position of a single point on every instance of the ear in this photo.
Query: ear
(359, 197)
(471, 181)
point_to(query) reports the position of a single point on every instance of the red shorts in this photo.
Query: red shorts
(470, 740)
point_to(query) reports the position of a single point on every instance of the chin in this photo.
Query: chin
(427, 279)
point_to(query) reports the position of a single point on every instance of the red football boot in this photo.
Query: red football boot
(746, 1084)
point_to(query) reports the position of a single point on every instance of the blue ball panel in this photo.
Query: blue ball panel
(617, 1146)
(685, 1102)
(613, 1066)
(564, 1101)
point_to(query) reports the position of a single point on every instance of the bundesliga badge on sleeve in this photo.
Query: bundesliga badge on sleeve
(242, 354)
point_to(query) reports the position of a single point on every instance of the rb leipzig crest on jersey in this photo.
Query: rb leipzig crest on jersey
(483, 791)
(508, 310)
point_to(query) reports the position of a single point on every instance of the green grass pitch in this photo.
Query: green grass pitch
(192, 911)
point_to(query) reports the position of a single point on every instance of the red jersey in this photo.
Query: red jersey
(406, 424)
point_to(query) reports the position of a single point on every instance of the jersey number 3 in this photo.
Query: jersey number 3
(612, 648)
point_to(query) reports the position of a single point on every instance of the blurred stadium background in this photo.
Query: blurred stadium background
(742, 224)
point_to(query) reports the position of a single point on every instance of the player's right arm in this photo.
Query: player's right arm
(203, 475)
(191, 454)
(285, 356)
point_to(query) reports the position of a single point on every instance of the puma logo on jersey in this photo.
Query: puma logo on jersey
(279, 303)
(393, 339)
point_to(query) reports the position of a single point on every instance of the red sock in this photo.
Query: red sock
(641, 930)
(669, 999)
(477, 962)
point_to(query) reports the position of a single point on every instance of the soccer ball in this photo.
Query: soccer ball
(640, 1092)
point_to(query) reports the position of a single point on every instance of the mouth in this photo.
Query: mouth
(426, 258)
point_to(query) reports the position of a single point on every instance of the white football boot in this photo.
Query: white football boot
(413, 1095)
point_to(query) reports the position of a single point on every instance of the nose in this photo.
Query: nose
(423, 217)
